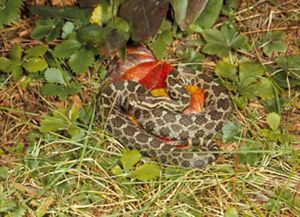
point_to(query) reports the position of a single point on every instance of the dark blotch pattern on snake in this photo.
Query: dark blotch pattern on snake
(162, 117)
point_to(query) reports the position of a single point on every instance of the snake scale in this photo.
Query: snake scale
(162, 117)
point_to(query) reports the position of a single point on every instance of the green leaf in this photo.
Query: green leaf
(146, 172)
(220, 50)
(49, 27)
(226, 70)
(231, 130)
(273, 43)
(130, 158)
(264, 89)
(3, 173)
(6, 205)
(109, 39)
(44, 206)
(9, 11)
(61, 91)
(160, 44)
(190, 55)
(273, 205)
(37, 51)
(290, 65)
(186, 12)
(117, 170)
(70, 13)
(81, 60)
(221, 42)
(67, 29)
(250, 72)
(208, 16)
(51, 124)
(273, 120)
(274, 105)
(274, 46)
(16, 52)
(35, 64)
(19, 212)
(54, 75)
(5, 64)
(231, 212)
(249, 153)
(67, 48)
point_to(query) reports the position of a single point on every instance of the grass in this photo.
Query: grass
(60, 175)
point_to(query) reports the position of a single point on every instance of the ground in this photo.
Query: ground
(256, 175)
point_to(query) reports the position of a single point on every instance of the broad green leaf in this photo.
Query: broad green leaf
(37, 51)
(146, 172)
(160, 44)
(291, 65)
(19, 212)
(231, 212)
(186, 12)
(297, 42)
(44, 206)
(9, 11)
(108, 39)
(49, 27)
(221, 42)
(67, 48)
(273, 43)
(226, 70)
(59, 90)
(130, 158)
(214, 35)
(17, 72)
(4, 64)
(67, 29)
(53, 124)
(54, 75)
(264, 89)
(273, 120)
(250, 72)
(35, 64)
(16, 52)
(249, 153)
(231, 130)
(3, 172)
(220, 50)
(274, 205)
(240, 101)
(239, 42)
(191, 55)
(81, 60)
(208, 16)
(91, 34)
(71, 13)
(274, 46)
(274, 105)
(117, 170)
(6, 205)
(144, 16)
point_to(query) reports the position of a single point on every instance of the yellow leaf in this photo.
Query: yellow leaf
(159, 92)
(96, 17)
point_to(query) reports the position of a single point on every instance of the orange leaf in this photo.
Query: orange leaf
(197, 100)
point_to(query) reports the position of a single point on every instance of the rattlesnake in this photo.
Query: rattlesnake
(161, 117)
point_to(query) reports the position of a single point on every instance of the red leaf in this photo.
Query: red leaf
(155, 79)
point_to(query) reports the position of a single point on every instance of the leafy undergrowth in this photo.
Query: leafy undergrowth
(54, 159)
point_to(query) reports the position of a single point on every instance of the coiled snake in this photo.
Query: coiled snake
(161, 117)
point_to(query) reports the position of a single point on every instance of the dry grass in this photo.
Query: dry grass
(73, 177)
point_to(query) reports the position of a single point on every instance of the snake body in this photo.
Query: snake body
(162, 117)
